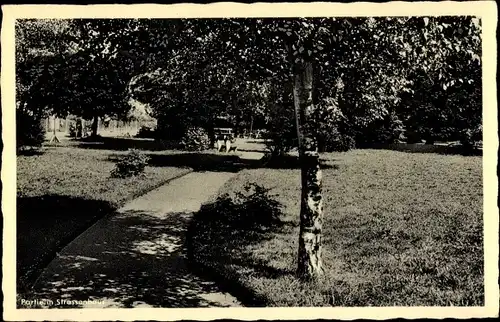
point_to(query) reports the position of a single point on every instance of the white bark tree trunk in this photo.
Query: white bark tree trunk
(311, 210)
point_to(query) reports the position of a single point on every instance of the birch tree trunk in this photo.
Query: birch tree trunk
(311, 210)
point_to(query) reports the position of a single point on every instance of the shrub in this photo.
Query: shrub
(87, 130)
(280, 140)
(146, 132)
(470, 138)
(29, 130)
(259, 208)
(220, 234)
(130, 165)
(412, 137)
(251, 211)
(331, 127)
(72, 130)
(195, 139)
(76, 127)
(387, 130)
(233, 218)
(333, 141)
(281, 134)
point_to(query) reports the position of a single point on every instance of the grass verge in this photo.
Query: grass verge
(63, 191)
(400, 229)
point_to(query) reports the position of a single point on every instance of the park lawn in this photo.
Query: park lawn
(63, 191)
(400, 229)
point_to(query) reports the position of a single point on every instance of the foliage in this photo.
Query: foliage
(387, 130)
(334, 141)
(281, 134)
(30, 132)
(376, 78)
(252, 208)
(265, 210)
(72, 130)
(470, 138)
(331, 127)
(234, 220)
(445, 97)
(74, 66)
(196, 139)
(38, 44)
(130, 165)
(423, 70)
(77, 128)
(146, 131)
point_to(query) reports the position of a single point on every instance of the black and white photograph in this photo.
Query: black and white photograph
(250, 159)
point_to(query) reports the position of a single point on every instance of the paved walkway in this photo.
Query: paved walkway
(137, 257)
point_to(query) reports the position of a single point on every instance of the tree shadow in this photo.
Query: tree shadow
(220, 233)
(252, 150)
(30, 152)
(120, 144)
(205, 161)
(426, 148)
(45, 224)
(292, 162)
(199, 161)
(137, 260)
(202, 161)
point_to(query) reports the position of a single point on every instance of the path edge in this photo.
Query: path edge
(245, 295)
(108, 215)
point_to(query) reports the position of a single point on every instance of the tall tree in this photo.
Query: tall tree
(100, 67)
(304, 40)
(311, 209)
(40, 46)
(362, 67)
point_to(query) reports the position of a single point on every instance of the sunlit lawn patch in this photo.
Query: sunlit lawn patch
(399, 229)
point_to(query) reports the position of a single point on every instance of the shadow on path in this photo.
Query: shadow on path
(138, 260)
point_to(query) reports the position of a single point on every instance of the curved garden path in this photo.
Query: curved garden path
(136, 257)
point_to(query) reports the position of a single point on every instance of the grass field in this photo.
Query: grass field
(402, 229)
(61, 192)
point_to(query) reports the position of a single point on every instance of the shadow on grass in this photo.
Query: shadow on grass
(138, 260)
(204, 161)
(220, 233)
(292, 162)
(426, 148)
(29, 152)
(119, 144)
(199, 161)
(252, 150)
(45, 224)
